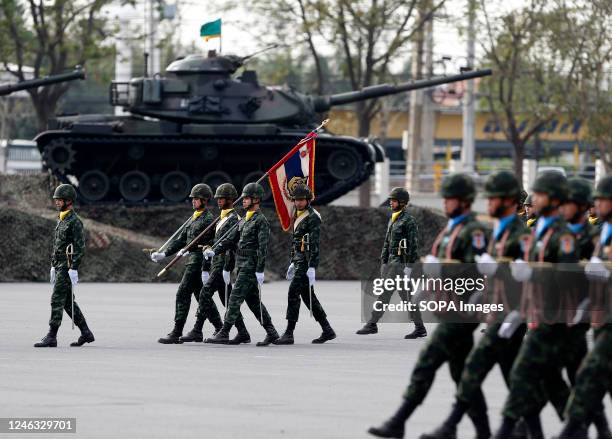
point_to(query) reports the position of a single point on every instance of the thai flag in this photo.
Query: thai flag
(296, 167)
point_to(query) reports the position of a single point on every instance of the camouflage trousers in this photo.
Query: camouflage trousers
(490, 350)
(540, 355)
(206, 305)
(299, 290)
(191, 284)
(392, 270)
(450, 342)
(594, 378)
(61, 301)
(246, 289)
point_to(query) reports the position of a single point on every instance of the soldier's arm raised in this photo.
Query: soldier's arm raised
(177, 243)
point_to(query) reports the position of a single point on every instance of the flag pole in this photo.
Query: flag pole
(211, 225)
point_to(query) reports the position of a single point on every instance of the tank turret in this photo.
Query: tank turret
(6, 89)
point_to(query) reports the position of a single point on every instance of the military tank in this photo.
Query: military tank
(12, 87)
(199, 122)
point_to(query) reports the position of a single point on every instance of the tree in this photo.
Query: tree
(51, 37)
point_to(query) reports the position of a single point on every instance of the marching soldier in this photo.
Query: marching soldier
(400, 250)
(594, 377)
(216, 274)
(462, 239)
(191, 283)
(68, 250)
(251, 241)
(541, 352)
(502, 189)
(304, 261)
(530, 217)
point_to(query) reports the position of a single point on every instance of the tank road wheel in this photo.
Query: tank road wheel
(343, 165)
(215, 178)
(58, 155)
(252, 177)
(94, 185)
(175, 186)
(134, 185)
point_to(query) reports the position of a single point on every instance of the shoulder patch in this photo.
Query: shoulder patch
(478, 239)
(567, 243)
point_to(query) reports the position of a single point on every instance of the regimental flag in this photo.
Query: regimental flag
(211, 30)
(295, 168)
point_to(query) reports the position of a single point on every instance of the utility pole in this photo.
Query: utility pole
(468, 155)
(428, 127)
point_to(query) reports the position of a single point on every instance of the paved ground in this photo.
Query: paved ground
(126, 385)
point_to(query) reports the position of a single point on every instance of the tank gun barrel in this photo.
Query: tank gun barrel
(6, 89)
(324, 103)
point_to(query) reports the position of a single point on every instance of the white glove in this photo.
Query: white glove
(311, 275)
(52, 275)
(407, 271)
(209, 253)
(260, 278)
(157, 257)
(510, 324)
(205, 276)
(226, 277)
(595, 270)
(182, 253)
(431, 266)
(74, 276)
(290, 272)
(486, 264)
(521, 271)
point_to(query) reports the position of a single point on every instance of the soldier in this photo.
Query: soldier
(594, 377)
(402, 227)
(251, 240)
(191, 283)
(542, 350)
(304, 261)
(65, 264)
(502, 189)
(530, 217)
(216, 274)
(462, 239)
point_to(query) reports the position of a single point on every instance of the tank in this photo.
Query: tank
(6, 89)
(202, 122)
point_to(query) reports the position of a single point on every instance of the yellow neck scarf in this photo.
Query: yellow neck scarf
(226, 212)
(299, 213)
(394, 215)
(249, 214)
(593, 220)
(64, 214)
(197, 214)
(530, 221)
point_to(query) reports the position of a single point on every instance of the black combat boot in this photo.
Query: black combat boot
(85, 337)
(419, 332)
(327, 334)
(481, 424)
(217, 323)
(271, 335)
(601, 424)
(534, 426)
(221, 337)
(175, 336)
(394, 426)
(368, 328)
(448, 429)
(242, 336)
(195, 335)
(49, 340)
(574, 430)
(287, 337)
(506, 429)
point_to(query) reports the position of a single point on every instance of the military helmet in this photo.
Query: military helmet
(528, 201)
(301, 192)
(201, 190)
(65, 192)
(552, 183)
(400, 194)
(458, 186)
(253, 190)
(502, 184)
(604, 188)
(524, 196)
(226, 190)
(580, 191)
